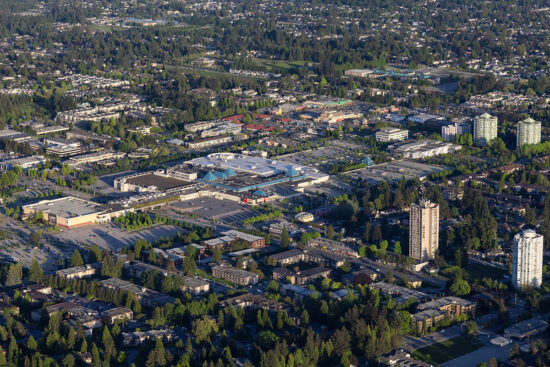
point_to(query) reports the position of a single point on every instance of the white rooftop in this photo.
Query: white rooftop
(243, 163)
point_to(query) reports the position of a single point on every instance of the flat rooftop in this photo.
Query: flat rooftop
(163, 183)
(395, 171)
(243, 163)
(66, 207)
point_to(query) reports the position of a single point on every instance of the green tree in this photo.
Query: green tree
(68, 361)
(35, 237)
(15, 275)
(285, 241)
(397, 248)
(31, 344)
(216, 254)
(2, 357)
(35, 272)
(330, 232)
(460, 287)
(13, 351)
(202, 328)
(94, 254)
(76, 259)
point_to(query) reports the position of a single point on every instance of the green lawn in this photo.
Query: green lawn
(449, 349)
(270, 64)
(482, 271)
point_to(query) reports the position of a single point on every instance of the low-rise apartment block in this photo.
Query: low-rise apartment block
(238, 276)
(113, 315)
(79, 272)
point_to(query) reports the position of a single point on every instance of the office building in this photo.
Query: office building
(388, 134)
(424, 230)
(527, 259)
(485, 129)
(528, 132)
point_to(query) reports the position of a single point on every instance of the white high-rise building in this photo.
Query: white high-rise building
(424, 230)
(528, 132)
(450, 132)
(485, 129)
(527, 259)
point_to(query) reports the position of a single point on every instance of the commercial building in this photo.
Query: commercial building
(157, 182)
(395, 171)
(238, 276)
(527, 259)
(424, 230)
(362, 73)
(24, 163)
(485, 129)
(423, 148)
(525, 329)
(70, 212)
(388, 134)
(451, 132)
(304, 217)
(528, 132)
(94, 157)
(422, 118)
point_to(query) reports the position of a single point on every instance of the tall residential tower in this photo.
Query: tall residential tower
(485, 129)
(424, 230)
(528, 132)
(527, 259)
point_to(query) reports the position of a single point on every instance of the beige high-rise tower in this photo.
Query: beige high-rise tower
(424, 230)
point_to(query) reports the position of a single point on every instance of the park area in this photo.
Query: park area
(447, 350)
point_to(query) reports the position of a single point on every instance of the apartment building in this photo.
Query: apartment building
(238, 276)
(527, 254)
(528, 132)
(451, 132)
(485, 129)
(424, 230)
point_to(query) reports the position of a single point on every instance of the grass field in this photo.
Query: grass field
(449, 349)
(270, 64)
(482, 271)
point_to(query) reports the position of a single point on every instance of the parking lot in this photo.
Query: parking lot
(111, 237)
(225, 211)
(323, 158)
